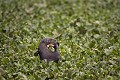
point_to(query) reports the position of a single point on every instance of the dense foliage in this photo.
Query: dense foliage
(88, 32)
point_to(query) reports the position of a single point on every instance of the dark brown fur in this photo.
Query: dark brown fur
(45, 53)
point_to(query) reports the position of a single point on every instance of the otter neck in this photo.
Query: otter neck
(56, 47)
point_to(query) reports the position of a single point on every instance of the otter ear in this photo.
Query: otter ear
(57, 43)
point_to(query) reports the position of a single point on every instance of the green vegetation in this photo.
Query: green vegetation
(88, 32)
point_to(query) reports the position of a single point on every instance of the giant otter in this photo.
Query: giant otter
(44, 51)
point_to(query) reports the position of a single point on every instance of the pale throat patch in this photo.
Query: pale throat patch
(50, 47)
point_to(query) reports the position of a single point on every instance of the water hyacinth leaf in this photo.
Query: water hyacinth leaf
(88, 33)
